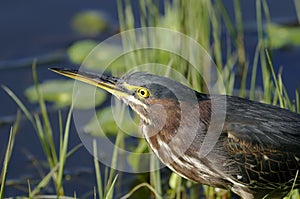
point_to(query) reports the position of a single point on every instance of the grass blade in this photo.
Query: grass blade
(140, 186)
(42, 138)
(119, 140)
(297, 101)
(278, 87)
(296, 177)
(60, 124)
(44, 182)
(254, 70)
(155, 178)
(6, 161)
(73, 150)
(63, 153)
(110, 191)
(97, 170)
(264, 64)
(47, 126)
(20, 104)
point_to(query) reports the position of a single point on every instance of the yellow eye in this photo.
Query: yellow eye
(143, 92)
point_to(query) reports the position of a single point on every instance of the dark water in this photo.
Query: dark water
(28, 30)
(33, 28)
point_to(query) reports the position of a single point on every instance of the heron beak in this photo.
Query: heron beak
(106, 82)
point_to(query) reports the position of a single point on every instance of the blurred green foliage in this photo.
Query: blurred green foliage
(89, 23)
(280, 36)
(60, 93)
(79, 50)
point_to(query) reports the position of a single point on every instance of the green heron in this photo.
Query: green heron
(255, 154)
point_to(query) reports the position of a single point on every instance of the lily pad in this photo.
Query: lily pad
(101, 57)
(60, 92)
(104, 122)
(80, 50)
(89, 23)
(104, 57)
(283, 36)
(137, 159)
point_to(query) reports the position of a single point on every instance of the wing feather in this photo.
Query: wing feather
(256, 123)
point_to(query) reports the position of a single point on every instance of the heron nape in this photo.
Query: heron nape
(255, 154)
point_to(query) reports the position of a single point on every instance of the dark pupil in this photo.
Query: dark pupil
(142, 92)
